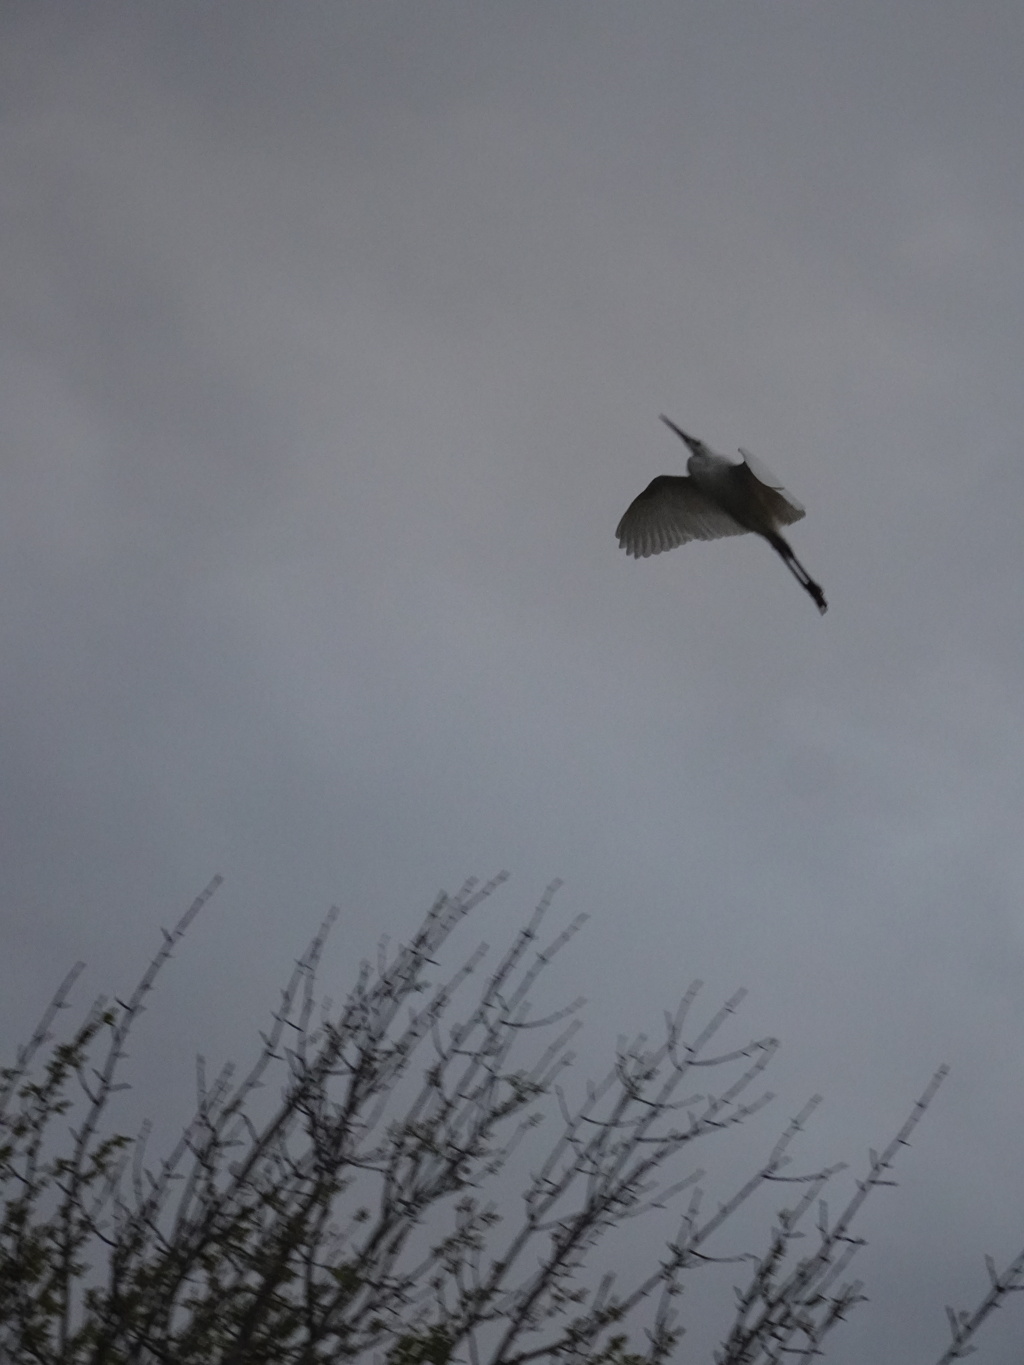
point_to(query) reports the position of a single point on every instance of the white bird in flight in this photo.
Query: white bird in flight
(714, 498)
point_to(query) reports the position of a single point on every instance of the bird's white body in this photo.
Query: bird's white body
(715, 498)
(760, 504)
(715, 477)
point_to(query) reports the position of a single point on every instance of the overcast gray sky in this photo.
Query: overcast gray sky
(334, 338)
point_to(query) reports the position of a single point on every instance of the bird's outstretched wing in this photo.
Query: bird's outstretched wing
(669, 512)
(769, 491)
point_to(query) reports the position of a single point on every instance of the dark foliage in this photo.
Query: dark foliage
(366, 1213)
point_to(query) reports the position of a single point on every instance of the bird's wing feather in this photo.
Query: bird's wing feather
(669, 512)
(781, 504)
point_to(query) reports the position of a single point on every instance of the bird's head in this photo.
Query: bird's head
(697, 447)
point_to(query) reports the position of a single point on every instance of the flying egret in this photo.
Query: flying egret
(714, 498)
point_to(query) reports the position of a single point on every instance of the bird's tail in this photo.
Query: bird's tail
(783, 549)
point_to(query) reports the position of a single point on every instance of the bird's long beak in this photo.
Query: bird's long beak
(679, 432)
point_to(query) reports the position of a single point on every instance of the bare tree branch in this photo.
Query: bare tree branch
(349, 1195)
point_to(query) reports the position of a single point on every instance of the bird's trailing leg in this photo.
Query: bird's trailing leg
(785, 553)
